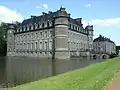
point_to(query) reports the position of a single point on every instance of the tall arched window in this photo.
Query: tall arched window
(40, 46)
(31, 46)
(50, 45)
(45, 45)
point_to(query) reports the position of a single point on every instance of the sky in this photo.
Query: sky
(104, 15)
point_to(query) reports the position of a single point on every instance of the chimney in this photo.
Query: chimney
(100, 35)
(50, 12)
(33, 16)
(44, 13)
(79, 20)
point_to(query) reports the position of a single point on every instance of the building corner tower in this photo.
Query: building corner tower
(10, 40)
(90, 36)
(61, 34)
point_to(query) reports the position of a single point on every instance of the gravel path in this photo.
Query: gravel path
(115, 83)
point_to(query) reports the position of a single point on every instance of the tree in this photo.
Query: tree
(3, 38)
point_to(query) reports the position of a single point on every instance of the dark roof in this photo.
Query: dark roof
(102, 38)
(11, 26)
(36, 19)
(73, 21)
(45, 17)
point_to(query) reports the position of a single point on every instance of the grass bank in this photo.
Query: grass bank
(93, 77)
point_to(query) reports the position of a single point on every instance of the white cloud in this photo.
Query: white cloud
(88, 5)
(104, 22)
(38, 7)
(44, 6)
(8, 15)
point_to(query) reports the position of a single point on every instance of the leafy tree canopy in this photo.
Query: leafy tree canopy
(3, 38)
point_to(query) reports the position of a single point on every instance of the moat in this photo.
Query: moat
(23, 69)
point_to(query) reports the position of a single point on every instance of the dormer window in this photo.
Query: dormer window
(20, 29)
(29, 27)
(23, 28)
(48, 24)
(73, 26)
(43, 25)
(78, 28)
(70, 26)
(26, 28)
(34, 26)
(38, 26)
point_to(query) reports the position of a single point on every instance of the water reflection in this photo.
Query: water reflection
(23, 69)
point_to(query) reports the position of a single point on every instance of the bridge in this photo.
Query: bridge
(90, 54)
(99, 55)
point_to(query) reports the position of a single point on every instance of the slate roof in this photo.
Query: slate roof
(101, 38)
(11, 26)
(41, 18)
(44, 18)
(73, 21)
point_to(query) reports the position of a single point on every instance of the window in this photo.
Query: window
(78, 28)
(25, 28)
(27, 45)
(50, 45)
(17, 30)
(31, 45)
(73, 26)
(45, 33)
(98, 44)
(70, 25)
(40, 34)
(31, 35)
(20, 29)
(48, 24)
(71, 45)
(45, 45)
(29, 27)
(43, 25)
(33, 26)
(28, 36)
(50, 52)
(36, 35)
(40, 46)
(24, 46)
(35, 45)
(38, 26)
(50, 33)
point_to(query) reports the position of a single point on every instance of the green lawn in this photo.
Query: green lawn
(93, 77)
